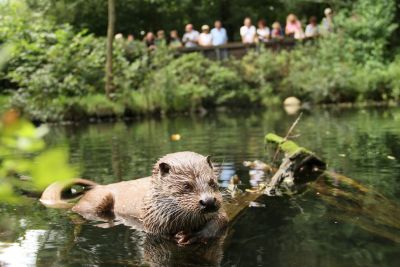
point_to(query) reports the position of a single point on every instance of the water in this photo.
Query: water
(299, 231)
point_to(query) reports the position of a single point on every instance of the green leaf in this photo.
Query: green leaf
(7, 194)
(51, 166)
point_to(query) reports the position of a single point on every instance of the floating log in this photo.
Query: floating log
(299, 167)
(352, 202)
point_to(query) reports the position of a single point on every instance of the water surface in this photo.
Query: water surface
(363, 144)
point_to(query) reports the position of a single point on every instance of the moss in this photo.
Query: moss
(287, 146)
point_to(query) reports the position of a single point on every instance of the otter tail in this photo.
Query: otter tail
(58, 194)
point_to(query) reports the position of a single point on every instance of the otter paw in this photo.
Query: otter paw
(184, 239)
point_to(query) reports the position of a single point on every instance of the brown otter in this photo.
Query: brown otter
(180, 199)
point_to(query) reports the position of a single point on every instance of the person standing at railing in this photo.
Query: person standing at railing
(130, 47)
(263, 32)
(327, 21)
(150, 41)
(191, 37)
(205, 38)
(276, 32)
(130, 38)
(160, 40)
(312, 28)
(174, 40)
(219, 35)
(293, 27)
(119, 36)
(248, 32)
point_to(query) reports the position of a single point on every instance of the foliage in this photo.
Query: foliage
(57, 73)
(356, 27)
(185, 82)
(96, 105)
(22, 152)
(344, 66)
(392, 78)
(53, 66)
(4, 103)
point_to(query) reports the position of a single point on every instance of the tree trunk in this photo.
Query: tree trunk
(110, 38)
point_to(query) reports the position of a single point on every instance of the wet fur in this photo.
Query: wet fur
(168, 208)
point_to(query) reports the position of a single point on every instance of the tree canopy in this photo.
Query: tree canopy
(134, 16)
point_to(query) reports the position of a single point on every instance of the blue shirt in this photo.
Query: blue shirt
(219, 36)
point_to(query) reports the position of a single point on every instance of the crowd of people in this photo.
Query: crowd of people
(249, 33)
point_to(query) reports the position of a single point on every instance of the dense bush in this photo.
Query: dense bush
(193, 81)
(349, 64)
(54, 70)
(57, 73)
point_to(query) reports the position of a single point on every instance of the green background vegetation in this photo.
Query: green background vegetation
(55, 69)
(53, 54)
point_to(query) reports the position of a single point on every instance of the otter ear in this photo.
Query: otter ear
(209, 161)
(164, 168)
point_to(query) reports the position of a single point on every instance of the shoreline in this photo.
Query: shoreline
(224, 110)
(131, 116)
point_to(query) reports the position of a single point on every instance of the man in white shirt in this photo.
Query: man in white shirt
(248, 32)
(219, 36)
(191, 37)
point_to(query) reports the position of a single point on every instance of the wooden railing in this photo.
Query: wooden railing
(237, 50)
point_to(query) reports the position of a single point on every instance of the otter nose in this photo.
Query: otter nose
(208, 203)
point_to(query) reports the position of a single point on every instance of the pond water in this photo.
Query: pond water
(303, 230)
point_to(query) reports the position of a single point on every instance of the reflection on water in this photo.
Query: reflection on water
(24, 251)
(227, 170)
(298, 231)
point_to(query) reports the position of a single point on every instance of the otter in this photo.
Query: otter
(180, 199)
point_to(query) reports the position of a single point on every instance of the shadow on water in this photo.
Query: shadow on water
(300, 231)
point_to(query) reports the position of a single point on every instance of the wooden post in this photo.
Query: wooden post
(109, 87)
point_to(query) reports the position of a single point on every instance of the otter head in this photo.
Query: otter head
(185, 190)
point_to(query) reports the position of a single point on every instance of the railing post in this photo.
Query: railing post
(218, 53)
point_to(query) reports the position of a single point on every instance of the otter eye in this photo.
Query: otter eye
(187, 187)
(212, 183)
